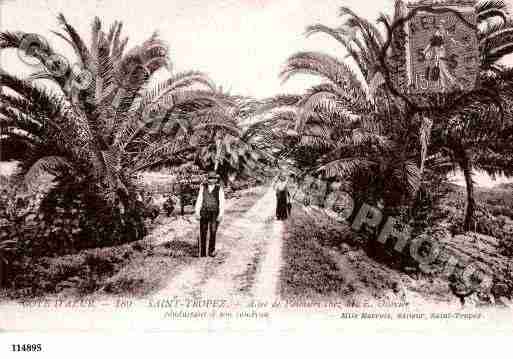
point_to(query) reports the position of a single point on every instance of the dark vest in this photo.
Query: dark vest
(210, 199)
(436, 41)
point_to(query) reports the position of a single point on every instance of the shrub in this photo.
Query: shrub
(7, 247)
(149, 208)
(169, 204)
(67, 219)
(77, 274)
(75, 218)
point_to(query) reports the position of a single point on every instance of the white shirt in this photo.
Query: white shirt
(199, 200)
(281, 185)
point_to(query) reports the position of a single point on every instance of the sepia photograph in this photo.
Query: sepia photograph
(244, 166)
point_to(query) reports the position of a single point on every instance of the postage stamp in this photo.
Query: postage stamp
(252, 166)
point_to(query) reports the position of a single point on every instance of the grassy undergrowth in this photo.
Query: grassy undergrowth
(308, 271)
(135, 269)
(323, 257)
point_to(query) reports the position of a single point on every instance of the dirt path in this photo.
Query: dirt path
(248, 257)
(266, 286)
(178, 227)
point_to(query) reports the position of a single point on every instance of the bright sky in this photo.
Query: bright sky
(241, 44)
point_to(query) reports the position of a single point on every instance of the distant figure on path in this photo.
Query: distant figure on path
(210, 211)
(282, 198)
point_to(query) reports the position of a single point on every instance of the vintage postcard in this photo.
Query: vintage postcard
(338, 166)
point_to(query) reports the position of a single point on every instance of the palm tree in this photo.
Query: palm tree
(346, 129)
(466, 126)
(228, 138)
(87, 132)
(367, 93)
(477, 134)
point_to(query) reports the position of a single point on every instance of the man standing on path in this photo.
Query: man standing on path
(210, 211)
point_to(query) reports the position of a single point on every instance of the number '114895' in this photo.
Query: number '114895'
(26, 347)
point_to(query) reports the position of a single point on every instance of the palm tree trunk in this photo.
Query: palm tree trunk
(218, 154)
(466, 165)
(469, 211)
(389, 106)
(327, 191)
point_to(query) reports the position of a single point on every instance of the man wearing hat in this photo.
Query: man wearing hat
(210, 211)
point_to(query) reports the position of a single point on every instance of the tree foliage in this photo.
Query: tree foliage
(360, 125)
(103, 125)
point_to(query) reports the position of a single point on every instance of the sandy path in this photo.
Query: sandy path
(178, 226)
(247, 262)
(266, 286)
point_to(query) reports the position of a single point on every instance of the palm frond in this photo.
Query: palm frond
(425, 136)
(96, 27)
(345, 41)
(491, 8)
(22, 114)
(117, 50)
(497, 39)
(280, 101)
(45, 102)
(10, 39)
(345, 167)
(78, 44)
(14, 139)
(408, 174)
(52, 165)
(216, 118)
(368, 30)
(176, 82)
(326, 66)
